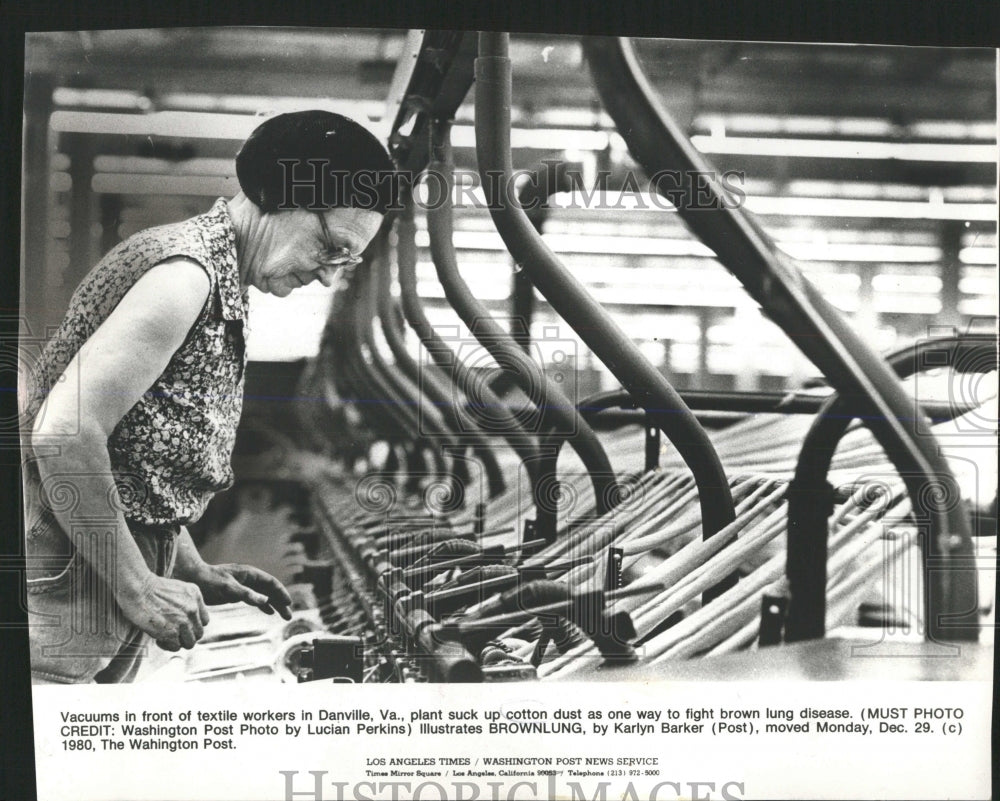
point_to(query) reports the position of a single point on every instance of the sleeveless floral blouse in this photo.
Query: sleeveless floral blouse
(171, 452)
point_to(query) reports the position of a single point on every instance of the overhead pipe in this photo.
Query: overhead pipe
(391, 389)
(521, 441)
(440, 396)
(340, 343)
(810, 496)
(678, 172)
(370, 375)
(554, 408)
(571, 300)
(398, 376)
(354, 373)
(544, 180)
(432, 424)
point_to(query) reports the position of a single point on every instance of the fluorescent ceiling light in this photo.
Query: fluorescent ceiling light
(978, 285)
(845, 149)
(188, 124)
(225, 168)
(978, 307)
(953, 129)
(752, 123)
(107, 98)
(805, 251)
(848, 235)
(836, 282)
(538, 138)
(906, 304)
(978, 255)
(262, 105)
(852, 189)
(193, 101)
(846, 126)
(918, 284)
(862, 209)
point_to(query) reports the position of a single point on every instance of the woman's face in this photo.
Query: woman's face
(295, 250)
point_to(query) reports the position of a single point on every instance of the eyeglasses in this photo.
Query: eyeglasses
(333, 256)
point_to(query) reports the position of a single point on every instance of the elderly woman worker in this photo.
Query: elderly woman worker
(141, 392)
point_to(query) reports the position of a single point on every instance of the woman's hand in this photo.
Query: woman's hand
(224, 584)
(172, 612)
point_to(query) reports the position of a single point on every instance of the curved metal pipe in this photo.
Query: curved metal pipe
(810, 496)
(389, 387)
(544, 180)
(429, 381)
(551, 444)
(522, 442)
(431, 421)
(571, 300)
(368, 375)
(679, 172)
(340, 343)
(554, 408)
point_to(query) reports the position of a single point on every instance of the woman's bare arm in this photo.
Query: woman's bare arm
(116, 366)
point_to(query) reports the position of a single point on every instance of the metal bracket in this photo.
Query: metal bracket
(528, 534)
(613, 573)
(772, 619)
(652, 445)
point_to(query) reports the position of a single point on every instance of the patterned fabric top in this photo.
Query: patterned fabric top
(171, 452)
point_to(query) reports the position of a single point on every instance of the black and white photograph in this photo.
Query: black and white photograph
(624, 408)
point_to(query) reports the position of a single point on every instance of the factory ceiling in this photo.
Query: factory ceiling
(897, 83)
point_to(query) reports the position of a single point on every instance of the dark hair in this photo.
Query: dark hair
(315, 159)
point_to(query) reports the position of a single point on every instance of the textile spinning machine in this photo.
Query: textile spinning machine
(513, 532)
